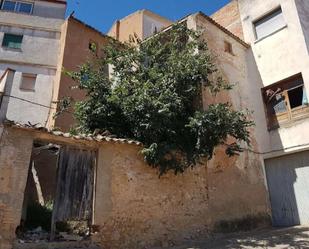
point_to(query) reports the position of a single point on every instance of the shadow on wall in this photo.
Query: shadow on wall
(280, 172)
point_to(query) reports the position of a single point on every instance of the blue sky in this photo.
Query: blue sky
(101, 14)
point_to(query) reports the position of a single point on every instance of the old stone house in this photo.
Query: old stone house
(131, 207)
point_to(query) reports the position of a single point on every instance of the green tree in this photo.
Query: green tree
(154, 97)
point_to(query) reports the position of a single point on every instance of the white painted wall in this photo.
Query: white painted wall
(38, 47)
(19, 102)
(278, 57)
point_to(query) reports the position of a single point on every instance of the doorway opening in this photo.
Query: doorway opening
(58, 200)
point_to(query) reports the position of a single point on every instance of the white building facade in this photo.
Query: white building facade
(30, 44)
(278, 32)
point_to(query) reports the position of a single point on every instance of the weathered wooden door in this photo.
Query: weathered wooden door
(75, 181)
(288, 183)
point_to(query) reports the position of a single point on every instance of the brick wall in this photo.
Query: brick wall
(229, 17)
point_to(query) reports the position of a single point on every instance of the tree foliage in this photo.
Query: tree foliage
(154, 97)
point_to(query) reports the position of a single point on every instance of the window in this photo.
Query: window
(28, 82)
(286, 101)
(12, 41)
(228, 47)
(269, 24)
(17, 6)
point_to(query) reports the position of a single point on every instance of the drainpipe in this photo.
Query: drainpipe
(117, 30)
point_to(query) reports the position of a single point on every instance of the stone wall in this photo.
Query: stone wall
(135, 208)
(15, 153)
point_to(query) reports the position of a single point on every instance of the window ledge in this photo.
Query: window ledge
(19, 13)
(291, 122)
(12, 49)
(27, 90)
(263, 38)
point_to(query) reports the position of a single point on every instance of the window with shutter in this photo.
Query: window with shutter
(12, 41)
(28, 82)
(269, 24)
(286, 101)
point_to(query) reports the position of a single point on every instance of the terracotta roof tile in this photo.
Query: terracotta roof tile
(85, 137)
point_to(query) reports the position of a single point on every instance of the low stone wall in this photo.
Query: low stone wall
(134, 208)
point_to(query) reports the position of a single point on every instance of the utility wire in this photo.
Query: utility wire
(34, 103)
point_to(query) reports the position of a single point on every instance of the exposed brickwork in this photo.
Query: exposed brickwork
(15, 152)
(229, 17)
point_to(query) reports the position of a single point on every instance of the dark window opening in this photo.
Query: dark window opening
(228, 47)
(296, 96)
(93, 47)
(12, 41)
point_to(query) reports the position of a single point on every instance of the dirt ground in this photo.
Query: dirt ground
(287, 238)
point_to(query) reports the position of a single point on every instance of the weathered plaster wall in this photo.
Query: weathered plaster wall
(278, 57)
(31, 22)
(229, 17)
(15, 152)
(135, 208)
(20, 103)
(34, 47)
(40, 45)
(239, 69)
